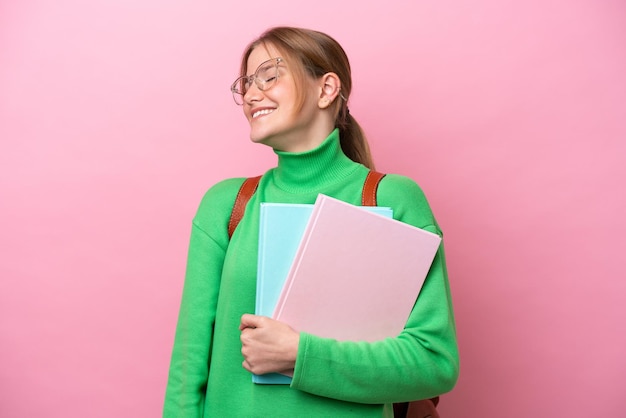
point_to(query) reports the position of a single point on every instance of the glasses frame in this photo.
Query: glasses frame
(261, 84)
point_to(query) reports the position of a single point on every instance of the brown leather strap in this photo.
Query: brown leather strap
(426, 408)
(246, 191)
(368, 198)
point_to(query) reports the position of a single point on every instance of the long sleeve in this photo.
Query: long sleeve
(420, 363)
(189, 367)
(190, 356)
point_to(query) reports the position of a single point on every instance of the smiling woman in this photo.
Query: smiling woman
(296, 102)
(285, 114)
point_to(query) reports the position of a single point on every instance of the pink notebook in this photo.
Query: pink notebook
(356, 275)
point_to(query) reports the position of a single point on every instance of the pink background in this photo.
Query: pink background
(115, 117)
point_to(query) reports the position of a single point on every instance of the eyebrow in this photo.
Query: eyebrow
(269, 62)
(255, 70)
(280, 64)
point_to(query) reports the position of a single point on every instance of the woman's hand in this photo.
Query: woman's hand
(267, 345)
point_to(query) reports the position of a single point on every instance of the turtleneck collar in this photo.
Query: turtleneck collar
(313, 169)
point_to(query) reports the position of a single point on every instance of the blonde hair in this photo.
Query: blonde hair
(316, 54)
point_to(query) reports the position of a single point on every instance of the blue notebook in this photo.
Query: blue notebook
(281, 228)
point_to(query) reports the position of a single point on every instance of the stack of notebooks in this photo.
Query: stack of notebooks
(339, 271)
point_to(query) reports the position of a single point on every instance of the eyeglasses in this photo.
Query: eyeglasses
(264, 77)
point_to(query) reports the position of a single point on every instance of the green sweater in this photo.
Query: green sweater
(331, 378)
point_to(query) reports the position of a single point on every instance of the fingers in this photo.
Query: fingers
(253, 345)
(250, 321)
(246, 365)
(267, 345)
(250, 357)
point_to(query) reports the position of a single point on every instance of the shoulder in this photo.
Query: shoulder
(408, 201)
(222, 193)
(223, 190)
(217, 204)
(393, 183)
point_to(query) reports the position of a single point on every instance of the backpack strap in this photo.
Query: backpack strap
(249, 186)
(368, 196)
(246, 191)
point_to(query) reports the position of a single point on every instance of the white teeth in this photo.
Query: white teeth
(262, 112)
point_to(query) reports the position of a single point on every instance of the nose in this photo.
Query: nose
(253, 94)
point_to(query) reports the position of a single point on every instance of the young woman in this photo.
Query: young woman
(294, 90)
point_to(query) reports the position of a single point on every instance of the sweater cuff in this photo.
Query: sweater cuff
(299, 369)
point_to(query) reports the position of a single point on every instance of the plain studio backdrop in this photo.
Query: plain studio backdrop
(116, 116)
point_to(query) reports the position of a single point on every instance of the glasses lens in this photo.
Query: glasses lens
(238, 98)
(266, 75)
(264, 78)
(239, 88)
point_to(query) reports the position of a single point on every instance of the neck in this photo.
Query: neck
(324, 164)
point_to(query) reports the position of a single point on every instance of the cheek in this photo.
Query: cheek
(286, 92)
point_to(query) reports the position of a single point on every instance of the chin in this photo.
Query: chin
(263, 134)
(259, 138)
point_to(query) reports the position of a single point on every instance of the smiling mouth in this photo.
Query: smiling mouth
(262, 112)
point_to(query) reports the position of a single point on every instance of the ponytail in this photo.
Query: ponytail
(352, 138)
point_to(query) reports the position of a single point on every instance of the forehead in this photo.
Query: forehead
(259, 55)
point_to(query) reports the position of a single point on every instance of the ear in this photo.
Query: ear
(330, 87)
